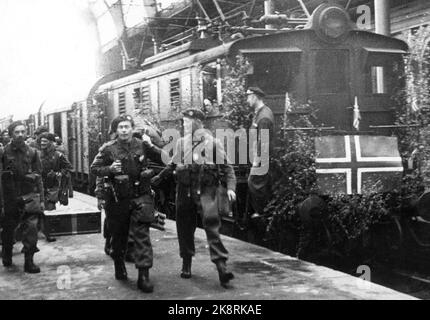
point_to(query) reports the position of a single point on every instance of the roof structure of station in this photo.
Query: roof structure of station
(129, 31)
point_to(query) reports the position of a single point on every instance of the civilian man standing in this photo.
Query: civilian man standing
(259, 182)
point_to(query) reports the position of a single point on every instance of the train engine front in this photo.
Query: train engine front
(352, 79)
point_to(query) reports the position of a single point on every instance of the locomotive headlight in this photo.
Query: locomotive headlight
(331, 22)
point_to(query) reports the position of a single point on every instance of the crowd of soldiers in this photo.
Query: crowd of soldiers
(31, 173)
(125, 190)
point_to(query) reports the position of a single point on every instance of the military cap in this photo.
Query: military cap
(194, 113)
(48, 136)
(41, 130)
(13, 125)
(255, 90)
(117, 120)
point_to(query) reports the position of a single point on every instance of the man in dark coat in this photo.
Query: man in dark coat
(259, 182)
(196, 192)
(124, 162)
(23, 196)
(54, 165)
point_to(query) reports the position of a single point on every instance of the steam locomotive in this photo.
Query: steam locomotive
(350, 75)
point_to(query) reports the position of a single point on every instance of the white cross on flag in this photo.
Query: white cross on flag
(357, 164)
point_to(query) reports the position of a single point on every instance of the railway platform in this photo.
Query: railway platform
(76, 267)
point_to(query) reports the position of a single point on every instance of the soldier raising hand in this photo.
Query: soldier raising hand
(129, 197)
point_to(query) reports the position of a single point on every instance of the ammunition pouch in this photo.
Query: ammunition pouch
(183, 175)
(145, 181)
(31, 203)
(143, 208)
(122, 187)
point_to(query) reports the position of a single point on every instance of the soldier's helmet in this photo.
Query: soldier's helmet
(194, 113)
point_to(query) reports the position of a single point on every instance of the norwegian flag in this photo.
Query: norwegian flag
(357, 164)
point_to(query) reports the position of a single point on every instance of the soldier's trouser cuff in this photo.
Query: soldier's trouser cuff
(143, 252)
(29, 234)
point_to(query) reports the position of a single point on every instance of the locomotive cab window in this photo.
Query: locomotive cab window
(382, 73)
(274, 73)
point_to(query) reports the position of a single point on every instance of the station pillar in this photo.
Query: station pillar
(382, 17)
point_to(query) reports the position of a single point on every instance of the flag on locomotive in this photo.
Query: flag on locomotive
(357, 164)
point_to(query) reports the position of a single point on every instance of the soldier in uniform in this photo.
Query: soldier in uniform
(124, 162)
(259, 185)
(54, 165)
(34, 141)
(59, 146)
(23, 196)
(4, 139)
(196, 192)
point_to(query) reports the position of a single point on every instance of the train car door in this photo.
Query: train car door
(330, 87)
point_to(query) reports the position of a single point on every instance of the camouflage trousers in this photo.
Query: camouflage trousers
(122, 222)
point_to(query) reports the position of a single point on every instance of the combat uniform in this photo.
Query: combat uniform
(196, 195)
(53, 163)
(20, 178)
(259, 186)
(121, 200)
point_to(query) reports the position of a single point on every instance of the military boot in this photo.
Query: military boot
(143, 282)
(120, 270)
(186, 267)
(6, 256)
(224, 275)
(29, 265)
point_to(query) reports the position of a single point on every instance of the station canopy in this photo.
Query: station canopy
(114, 15)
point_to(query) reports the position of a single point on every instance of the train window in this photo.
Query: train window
(142, 100)
(382, 73)
(145, 99)
(331, 71)
(121, 103)
(209, 76)
(175, 93)
(274, 73)
(137, 97)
